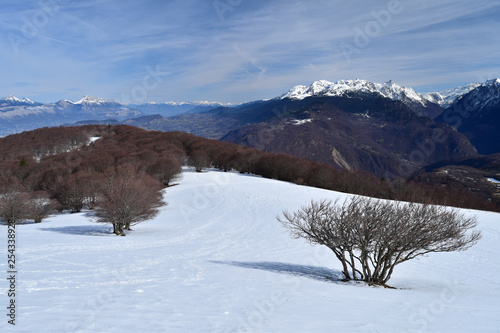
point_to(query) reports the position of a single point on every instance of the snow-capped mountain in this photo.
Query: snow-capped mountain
(428, 104)
(447, 97)
(14, 101)
(341, 88)
(484, 95)
(94, 101)
(477, 115)
(17, 115)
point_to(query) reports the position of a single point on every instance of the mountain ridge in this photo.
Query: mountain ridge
(389, 89)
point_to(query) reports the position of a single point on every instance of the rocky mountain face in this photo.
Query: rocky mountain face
(376, 134)
(477, 115)
(360, 88)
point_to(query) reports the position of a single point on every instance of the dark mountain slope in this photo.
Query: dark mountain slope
(477, 115)
(368, 133)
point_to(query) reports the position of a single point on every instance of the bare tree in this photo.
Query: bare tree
(166, 169)
(128, 198)
(12, 201)
(371, 237)
(39, 206)
(199, 159)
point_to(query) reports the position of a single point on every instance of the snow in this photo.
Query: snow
(91, 100)
(301, 121)
(14, 99)
(492, 82)
(216, 260)
(447, 97)
(93, 139)
(26, 111)
(322, 87)
(493, 180)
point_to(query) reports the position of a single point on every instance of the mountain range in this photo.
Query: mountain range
(22, 114)
(382, 128)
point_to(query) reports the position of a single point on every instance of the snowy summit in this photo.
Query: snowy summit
(388, 89)
(447, 97)
(13, 100)
(91, 100)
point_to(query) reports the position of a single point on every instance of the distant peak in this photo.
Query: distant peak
(14, 99)
(492, 81)
(388, 89)
(196, 103)
(88, 100)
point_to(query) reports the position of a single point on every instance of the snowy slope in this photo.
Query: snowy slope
(216, 260)
(447, 97)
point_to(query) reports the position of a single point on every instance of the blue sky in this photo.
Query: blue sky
(239, 50)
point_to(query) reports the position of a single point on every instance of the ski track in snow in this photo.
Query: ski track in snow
(216, 260)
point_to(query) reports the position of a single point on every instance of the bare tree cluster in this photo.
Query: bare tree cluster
(17, 205)
(371, 237)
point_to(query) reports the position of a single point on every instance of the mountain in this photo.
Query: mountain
(17, 115)
(353, 87)
(478, 174)
(447, 97)
(14, 101)
(354, 125)
(170, 109)
(23, 114)
(374, 133)
(360, 88)
(477, 115)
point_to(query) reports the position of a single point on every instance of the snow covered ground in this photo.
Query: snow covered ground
(216, 260)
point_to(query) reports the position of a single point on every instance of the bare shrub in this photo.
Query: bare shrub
(199, 159)
(128, 198)
(39, 206)
(166, 170)
(12, 201)
(371, 237)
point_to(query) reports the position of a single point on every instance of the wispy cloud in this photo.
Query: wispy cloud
(256, 49)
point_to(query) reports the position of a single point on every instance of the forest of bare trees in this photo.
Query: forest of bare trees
(61, 168)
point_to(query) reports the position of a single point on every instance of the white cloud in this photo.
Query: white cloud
(260, 48)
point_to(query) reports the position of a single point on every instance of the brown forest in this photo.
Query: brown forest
(66, 168)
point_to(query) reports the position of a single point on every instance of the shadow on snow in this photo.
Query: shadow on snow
(311, 272)
(85, 230)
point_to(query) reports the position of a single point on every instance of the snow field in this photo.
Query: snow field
(216, 260)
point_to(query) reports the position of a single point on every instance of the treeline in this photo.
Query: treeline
(67, 167)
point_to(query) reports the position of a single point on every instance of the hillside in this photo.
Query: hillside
(477, 115)
(476, 174)
(68, 164)
(362, 132)
(216, 260)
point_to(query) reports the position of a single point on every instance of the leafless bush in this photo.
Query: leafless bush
(199, 159)
(128, 198)
(166, 170)
(12, 201)
(39, 206)
(371, 237)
